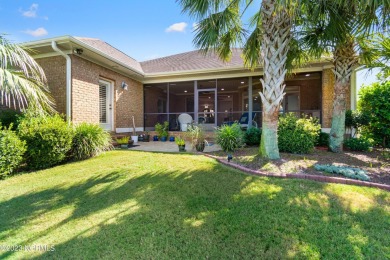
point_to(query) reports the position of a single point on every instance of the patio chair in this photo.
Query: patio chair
(184, 120)
(243, 121)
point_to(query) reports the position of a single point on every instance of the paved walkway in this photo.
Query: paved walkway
(158, 146)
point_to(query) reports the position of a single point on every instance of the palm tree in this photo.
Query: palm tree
(22, 80)
(221, 28)
(343, 29)
(381, 60)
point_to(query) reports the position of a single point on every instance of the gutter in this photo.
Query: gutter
(68, 81)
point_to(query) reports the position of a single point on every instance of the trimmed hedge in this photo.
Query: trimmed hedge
(252, 136)
(48, 139)
(297, 135)
(359, 144)
(12, 150)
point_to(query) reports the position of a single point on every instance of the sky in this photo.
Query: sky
(143, 29)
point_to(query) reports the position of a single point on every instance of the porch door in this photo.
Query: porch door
(207, 107)
(105, 105)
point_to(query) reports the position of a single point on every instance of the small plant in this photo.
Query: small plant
(162, 129)
(323, 139)
(229, 137)
(353, 173)
(179, 141)
(12, 150)
(89, 140)
(252, 136)
(48, 139)
(359, 144)
(123, 140)
(297, 135)
(197, 137)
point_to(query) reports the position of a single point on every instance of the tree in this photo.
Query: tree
(374, 102)
(343, 29)
(22, 80)
(221, 27)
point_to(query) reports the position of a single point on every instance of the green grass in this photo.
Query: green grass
(138, 205)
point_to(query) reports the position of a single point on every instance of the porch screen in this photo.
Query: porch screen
(103, 104)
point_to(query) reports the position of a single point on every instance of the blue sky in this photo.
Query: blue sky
(143, 29)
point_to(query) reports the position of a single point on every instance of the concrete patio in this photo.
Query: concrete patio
(158, 146)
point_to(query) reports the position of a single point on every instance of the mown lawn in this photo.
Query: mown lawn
(138, 205)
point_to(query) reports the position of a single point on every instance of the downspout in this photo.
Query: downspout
(68, 81)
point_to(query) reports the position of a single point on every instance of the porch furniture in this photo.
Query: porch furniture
(243, 121)
(184, 120)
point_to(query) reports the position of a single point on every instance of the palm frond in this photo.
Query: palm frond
(22, 81)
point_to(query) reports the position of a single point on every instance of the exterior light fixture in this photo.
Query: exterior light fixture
(222, 89)
(124, 85)
(185, 91)
(307, 75)
(78, 51)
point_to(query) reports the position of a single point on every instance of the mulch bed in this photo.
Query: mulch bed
(375, 163)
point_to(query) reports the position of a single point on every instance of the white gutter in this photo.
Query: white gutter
(68, 80)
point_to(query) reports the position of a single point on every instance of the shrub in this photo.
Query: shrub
(12, 150)
(252, 136)
(123, 140)
(297, 135)
(48, 139)
(90, 140)
(229, 137)
(8, 117)
(374, 101)
(353, 173)
(323, 139)
(359, 144)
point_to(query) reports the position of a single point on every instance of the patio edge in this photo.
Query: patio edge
(318, 178)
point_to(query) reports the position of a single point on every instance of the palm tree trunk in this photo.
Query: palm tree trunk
(344, 61)
(275, 44)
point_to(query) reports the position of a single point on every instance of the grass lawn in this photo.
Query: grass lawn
(139, 205)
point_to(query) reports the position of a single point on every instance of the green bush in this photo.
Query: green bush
(374, 102)
(359, 144)
(12, 150)
(353, 173)
(48, 139)
(323, 139)
(8, 117)
(229, 137)
(252, 136)
(89, 140)
(297, 135)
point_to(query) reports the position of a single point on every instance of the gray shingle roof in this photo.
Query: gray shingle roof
(112, 52)
(193, 60)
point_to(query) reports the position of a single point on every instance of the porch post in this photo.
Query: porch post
(250, 102)
(196, 97)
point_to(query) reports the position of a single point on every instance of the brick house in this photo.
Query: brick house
(91, 81)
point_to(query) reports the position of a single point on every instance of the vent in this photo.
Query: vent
(103, 104)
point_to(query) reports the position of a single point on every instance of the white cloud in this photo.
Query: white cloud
(177, 27)
(31, 12)
(38, 32)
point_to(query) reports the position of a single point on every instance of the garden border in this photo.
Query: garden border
(318, 178)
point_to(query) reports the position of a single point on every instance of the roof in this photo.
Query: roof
(193, 60)
(112, 52)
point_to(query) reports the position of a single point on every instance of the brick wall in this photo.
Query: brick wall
(55, 71)
(85, 94)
